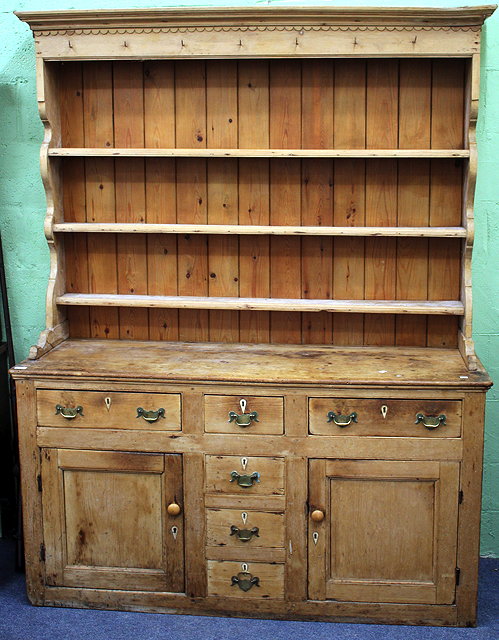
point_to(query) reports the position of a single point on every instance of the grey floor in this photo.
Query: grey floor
(21, 621)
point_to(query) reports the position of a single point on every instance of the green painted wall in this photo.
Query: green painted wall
(22, 204)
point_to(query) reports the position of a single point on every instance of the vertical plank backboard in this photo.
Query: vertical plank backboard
(190, 131)
(381, 195)
(130, 193)
(99, 193)
(223, 250)
(254, 195)
(349, 196)
(285, 183)
(160, 176)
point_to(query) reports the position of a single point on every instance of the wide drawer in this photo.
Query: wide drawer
(108, 410)
(385, 417)
(244, 529)
(268, 418)
(255, 580)
(260, 476)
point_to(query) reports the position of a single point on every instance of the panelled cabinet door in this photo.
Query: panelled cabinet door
(106, 523)
(389, 531)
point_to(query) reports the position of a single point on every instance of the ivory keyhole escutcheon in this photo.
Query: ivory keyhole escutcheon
(243, 404)
(174, 531)
(244, 517)
(315, 537)
(244, 463)
(107, 402)
(384, 411)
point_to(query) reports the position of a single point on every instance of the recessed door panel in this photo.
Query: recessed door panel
(388, 531)
(106, 523)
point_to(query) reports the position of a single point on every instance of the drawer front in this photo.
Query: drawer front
(385, 417)
(228, 579)
(268, 418)
(262, 476)
(109, 410)
(244, 529)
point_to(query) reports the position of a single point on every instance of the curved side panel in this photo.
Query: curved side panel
(466, 345)
(56, 326)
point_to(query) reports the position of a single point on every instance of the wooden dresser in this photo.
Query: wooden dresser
(257, 392)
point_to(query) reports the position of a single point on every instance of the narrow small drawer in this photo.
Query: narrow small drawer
(261, 415)
(262, 476)
(244, 529)
(385, 417)
(255, 580)
(109, 410)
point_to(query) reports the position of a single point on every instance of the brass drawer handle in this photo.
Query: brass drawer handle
(68, 412)
(245, 480)
(245, 581)
(431, 422)
(150, 416)
(244, 535)
(243, 419)
(340, 419)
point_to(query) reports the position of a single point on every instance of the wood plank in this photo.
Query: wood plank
(380, 265)
(29, 458)
(53, 518)
(285, 185)
(350, 105)
(190, 131)
(249, 229)
(317, 253)
(446, 190)
(190, 104)
(447, 500)
(412, 254)
(349, 194)
(70, 102)
(438, 307)
(319, 365)
(252, 152)
(317, 550)
(160, 174)
(318, 106)
(296, 529)
(253, 105)
(195, 564)
(447, 104)
(469, 511)
(128, 100)
(99, 189)
(223, 258)
(192, 261)
(254, 194)
(173, 553)
(414, 104)
(381, 192)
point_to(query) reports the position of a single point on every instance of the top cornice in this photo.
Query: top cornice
(229, 16)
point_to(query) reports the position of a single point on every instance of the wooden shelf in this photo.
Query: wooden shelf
(430, 307)
(256, 153)
(234, 229)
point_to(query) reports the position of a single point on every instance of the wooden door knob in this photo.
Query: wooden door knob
(173, 509)
(317, 515)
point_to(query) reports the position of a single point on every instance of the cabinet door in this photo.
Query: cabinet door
(389, 533)
(106, 523)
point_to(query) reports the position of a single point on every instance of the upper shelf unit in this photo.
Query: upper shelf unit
(239, 164)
